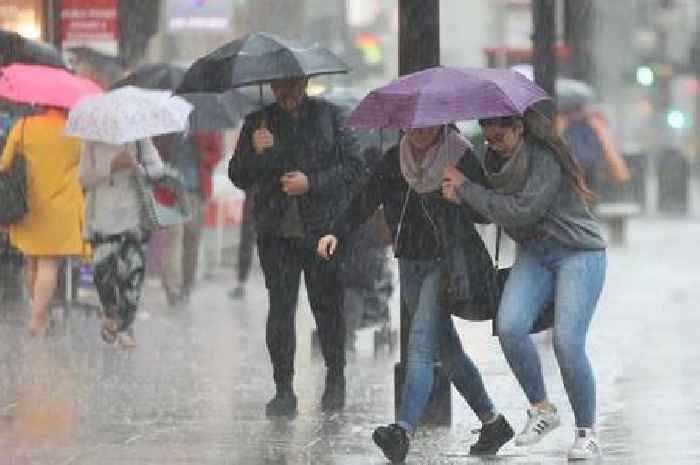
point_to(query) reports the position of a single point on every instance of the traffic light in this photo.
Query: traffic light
(645, 76)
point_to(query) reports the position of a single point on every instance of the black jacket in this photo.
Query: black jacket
(316, 144)
(425, 215)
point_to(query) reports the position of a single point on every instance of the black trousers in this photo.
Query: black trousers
(282, 261)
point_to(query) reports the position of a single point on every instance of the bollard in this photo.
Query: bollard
(673, 173)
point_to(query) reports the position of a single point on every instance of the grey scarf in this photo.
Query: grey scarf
(512, 175)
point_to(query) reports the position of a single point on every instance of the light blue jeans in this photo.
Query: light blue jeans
(542, 270)
(432, 332)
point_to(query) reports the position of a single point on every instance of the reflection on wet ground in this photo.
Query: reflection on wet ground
(193, 392)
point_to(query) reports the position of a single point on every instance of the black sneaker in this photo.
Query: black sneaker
(334, 394)
(492, 436)
(393, 441)
(282, 405)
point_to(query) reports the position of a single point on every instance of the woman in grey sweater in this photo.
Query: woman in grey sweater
(539, 196)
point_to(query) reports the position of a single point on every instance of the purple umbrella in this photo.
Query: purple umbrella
(444, 94)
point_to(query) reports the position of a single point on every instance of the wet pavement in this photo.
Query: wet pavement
(194, 390)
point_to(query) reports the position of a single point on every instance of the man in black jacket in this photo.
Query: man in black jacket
(304, 165)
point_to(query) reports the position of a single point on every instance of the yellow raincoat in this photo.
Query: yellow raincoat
(53, 226)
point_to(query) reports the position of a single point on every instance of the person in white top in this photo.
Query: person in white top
(113, 227)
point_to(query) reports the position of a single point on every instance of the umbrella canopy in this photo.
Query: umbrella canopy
(442, 95)
(43, 85)
(257, 58)
(108, 68)
(153, 76)
(572, 94)
(212, 111)
(128, 114)
(16, 49)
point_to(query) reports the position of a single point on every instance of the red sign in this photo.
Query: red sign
(89, 20)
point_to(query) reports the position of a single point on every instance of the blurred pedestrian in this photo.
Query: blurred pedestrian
(195, 157)
(586, 131)
(245, 246)
(365, 277)
(52, 228)
(407, 184)
(113, 226)
(303, 164)
(539, 196)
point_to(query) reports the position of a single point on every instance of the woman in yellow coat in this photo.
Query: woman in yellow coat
(53, 227)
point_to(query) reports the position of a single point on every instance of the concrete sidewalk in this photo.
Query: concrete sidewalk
(194, 390)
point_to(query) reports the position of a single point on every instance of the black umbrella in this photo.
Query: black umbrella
(153, 76)
(212, 111)
(16, 49)
(257, 58)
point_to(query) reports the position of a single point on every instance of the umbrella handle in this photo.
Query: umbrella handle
(262, 123)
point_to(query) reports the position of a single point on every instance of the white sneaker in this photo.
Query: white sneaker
(586, 445)
(539, 423)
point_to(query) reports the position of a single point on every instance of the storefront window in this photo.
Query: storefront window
(22, 16)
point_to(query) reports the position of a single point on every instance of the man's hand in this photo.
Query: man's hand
(452, 178)
(262, 139)
(326, 246)
(294, 183)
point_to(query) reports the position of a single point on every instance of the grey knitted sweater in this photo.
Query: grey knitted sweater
(545, 204)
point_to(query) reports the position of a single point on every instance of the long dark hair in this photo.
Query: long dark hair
(539, 127)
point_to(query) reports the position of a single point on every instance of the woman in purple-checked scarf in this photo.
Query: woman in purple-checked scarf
(407, 183)
(538, 194)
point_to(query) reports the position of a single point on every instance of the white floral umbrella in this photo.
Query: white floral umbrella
(127, 114)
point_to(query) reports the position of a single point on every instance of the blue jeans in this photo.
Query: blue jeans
(542, 270)
(433, 332)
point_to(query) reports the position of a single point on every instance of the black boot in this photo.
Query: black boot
(492, 437)
(284, 404)
(334, 394)
(393, 441)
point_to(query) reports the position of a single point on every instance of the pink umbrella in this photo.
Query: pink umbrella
(43, 85)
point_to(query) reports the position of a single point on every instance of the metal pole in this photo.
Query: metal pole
(51, 27)
(419, 48)
(578, 31)
(544, 39)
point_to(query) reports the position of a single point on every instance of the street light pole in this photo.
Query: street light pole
(51, 23)
(544, 39)
(419, 48)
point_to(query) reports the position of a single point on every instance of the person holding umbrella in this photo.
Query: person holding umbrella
(407, 183)
(113, 226)
(117, 127)
(538, 194)
(303, 164)
(51, 230)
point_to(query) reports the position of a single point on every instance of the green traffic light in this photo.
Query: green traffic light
(645, 76)
(676, 119)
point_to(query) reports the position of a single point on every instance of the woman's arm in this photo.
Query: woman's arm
(366, 200)
(95, 163)
(616, 167)
(8, 152)
(522, 208)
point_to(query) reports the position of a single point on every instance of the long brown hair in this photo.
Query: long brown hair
(540, 127)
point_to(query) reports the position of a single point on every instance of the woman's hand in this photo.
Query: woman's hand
(452, 178)
(326, 246)
(123, 161)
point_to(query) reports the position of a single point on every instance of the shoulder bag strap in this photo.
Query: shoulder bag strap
(499, 233)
